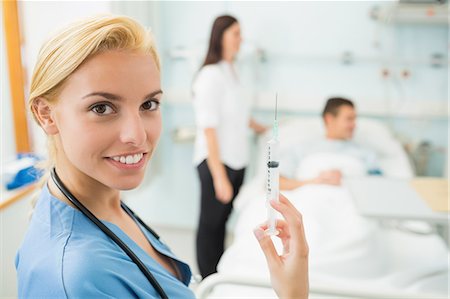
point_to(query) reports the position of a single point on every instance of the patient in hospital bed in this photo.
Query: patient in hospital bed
(346, 250)
(326, 159)
(342, 242)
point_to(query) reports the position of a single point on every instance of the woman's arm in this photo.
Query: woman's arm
(222, 185)
(257, 127)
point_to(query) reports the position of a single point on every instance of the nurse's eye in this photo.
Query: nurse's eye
(102, 109)
(150, 105)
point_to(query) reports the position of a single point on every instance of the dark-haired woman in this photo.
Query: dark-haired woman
(221, 147)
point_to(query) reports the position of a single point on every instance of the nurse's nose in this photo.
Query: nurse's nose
(132, 129)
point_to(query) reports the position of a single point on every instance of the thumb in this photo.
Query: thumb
(267, 247)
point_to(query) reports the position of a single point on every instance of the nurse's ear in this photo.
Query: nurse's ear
(43, 113)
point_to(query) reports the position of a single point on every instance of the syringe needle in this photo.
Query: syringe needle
(276, 105)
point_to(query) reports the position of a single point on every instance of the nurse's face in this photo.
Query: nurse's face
(107, 118)
(231, 39)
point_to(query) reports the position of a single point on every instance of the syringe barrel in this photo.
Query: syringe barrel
(272, 169)
(272, 184)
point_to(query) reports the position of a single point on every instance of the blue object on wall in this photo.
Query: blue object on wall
(26, 175)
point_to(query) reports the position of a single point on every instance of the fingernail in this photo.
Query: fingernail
(259, 234)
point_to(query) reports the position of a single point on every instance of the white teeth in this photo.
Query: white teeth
(130, 159)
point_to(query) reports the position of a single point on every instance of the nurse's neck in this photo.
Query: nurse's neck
(228, 57)
(101, 200)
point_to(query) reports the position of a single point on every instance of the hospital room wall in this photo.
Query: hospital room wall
(303, 44)
(302, 60)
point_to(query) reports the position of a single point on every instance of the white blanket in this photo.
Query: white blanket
(345, 249)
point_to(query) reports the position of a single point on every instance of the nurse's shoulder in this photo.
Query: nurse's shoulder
(210, 74)
(39, 260)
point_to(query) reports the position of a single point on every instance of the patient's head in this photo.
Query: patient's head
(339, 116)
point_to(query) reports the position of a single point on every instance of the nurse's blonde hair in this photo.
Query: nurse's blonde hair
(63, 54)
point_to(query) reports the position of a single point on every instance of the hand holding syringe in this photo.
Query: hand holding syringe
(288, 271)
(273, 176)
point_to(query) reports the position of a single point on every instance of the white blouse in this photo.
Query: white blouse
(219, 104)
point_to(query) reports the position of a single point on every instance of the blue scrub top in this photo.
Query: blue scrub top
(64, 255)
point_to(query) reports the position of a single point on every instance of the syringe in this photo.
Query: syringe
(273, 180)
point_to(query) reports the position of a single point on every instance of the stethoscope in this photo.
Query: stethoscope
(110, 234)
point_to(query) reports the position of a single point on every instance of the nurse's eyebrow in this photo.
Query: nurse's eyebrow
(107, 95)
(115, 97)
(152, 94)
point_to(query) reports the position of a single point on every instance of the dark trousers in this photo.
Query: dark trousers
(213, 218)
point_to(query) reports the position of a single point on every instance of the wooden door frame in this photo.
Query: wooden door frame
(16, 75)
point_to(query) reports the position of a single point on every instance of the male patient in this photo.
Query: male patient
(339, 116)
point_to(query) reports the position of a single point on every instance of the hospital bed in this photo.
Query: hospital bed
(350, 256)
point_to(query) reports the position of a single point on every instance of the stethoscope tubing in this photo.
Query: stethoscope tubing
(110, 233)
